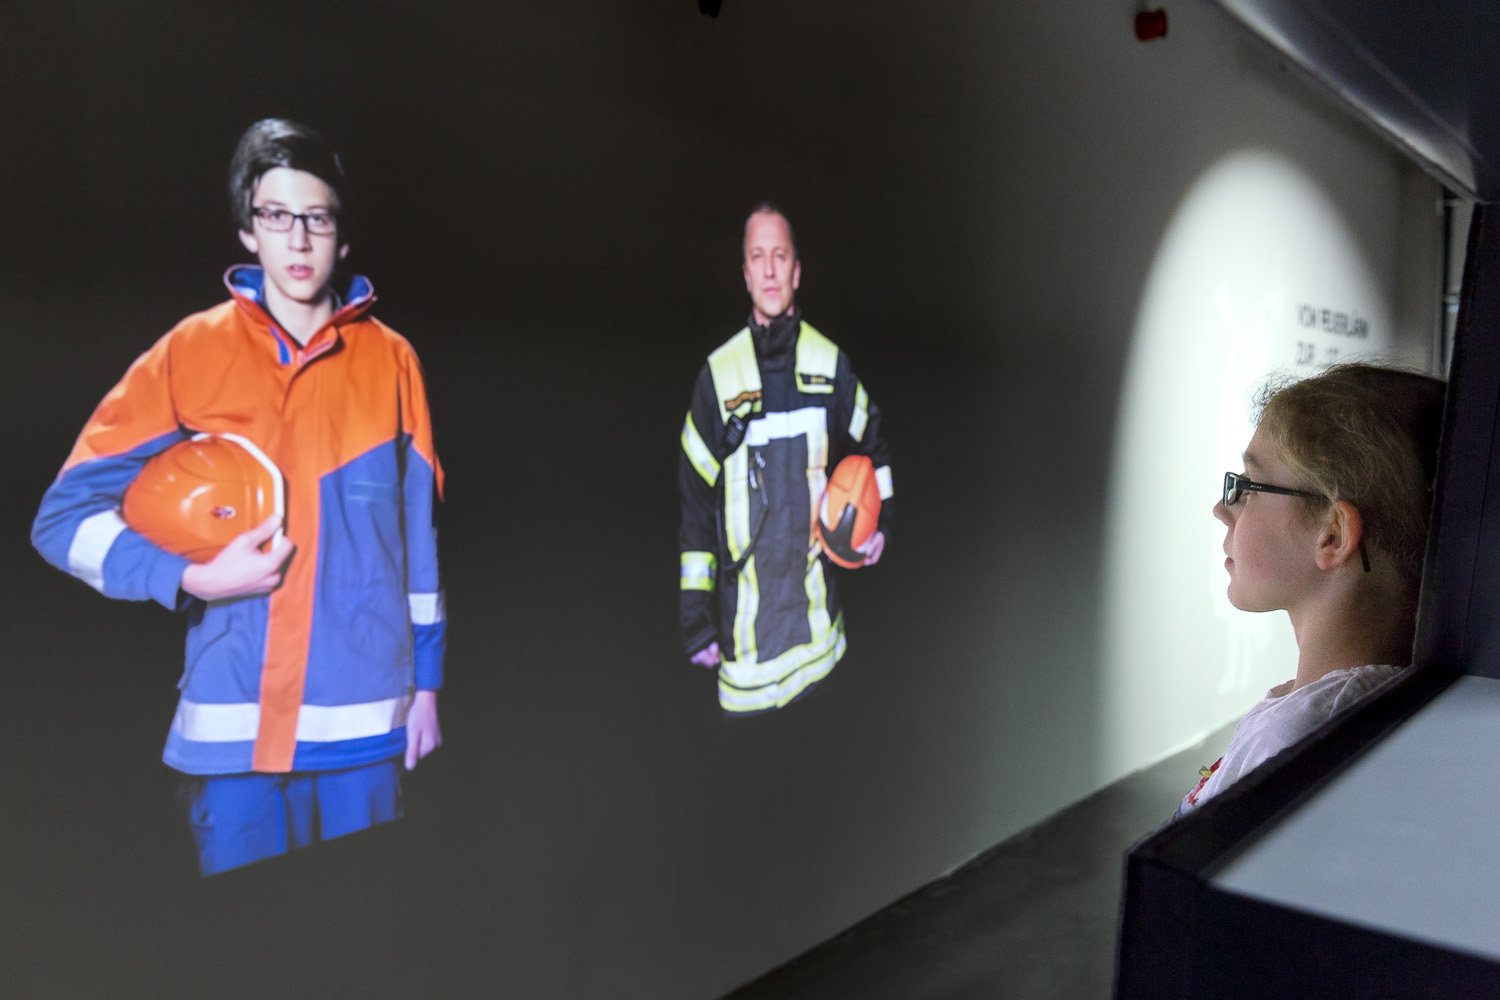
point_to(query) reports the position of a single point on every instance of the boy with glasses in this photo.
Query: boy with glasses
(315, 647)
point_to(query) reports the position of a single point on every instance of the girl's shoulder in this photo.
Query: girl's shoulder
(1312, 704)
(1285, 716)
(1356, 683)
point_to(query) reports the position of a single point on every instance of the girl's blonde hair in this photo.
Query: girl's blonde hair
(1368, 435)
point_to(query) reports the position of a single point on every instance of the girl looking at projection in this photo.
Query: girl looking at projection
(1328, 523)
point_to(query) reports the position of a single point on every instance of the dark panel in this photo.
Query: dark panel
(1466, 559)
(1423, 73)
(1247, 948)
(1157, 927)
(1455, 623)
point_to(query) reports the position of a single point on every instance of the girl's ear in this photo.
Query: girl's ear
(1340, 533)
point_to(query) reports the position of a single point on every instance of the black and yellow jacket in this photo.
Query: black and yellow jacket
(774, 409)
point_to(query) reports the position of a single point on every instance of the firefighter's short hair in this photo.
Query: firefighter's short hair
(771, 208)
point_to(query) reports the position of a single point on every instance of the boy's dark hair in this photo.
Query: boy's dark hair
(280, 142)
(768, 208)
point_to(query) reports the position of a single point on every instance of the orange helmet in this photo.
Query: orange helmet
(850, 510)
(196, 496)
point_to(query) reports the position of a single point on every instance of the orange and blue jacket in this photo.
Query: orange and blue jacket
(318, 674)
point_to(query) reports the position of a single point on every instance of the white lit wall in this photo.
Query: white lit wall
(1262, 270)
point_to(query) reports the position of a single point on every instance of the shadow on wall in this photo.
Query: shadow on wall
(1262, 269)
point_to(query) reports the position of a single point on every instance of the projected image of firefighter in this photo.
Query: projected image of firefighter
(783, 474)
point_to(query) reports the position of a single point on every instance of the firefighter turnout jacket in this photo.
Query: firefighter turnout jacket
(773, 410)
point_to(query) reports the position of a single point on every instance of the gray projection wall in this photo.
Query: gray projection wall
(551, 198)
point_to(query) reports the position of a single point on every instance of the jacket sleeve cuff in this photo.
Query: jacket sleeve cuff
(135, 569)
(429, 644)
(164, 583)
(700, 640)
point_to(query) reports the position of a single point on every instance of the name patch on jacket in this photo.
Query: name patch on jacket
(807, 382)
(748, 396)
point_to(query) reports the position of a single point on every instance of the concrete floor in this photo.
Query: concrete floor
(1033, 917)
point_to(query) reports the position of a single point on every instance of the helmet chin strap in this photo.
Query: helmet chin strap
(841, 538)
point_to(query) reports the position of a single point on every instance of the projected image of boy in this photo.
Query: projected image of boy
(315, 646)
(774, 409)
(1328, 523)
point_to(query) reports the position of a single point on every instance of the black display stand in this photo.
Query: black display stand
(1183, 934)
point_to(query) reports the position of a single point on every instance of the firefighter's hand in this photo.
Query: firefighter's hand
(423, 734)
(874, 545)
(707, 657)
(241, 569)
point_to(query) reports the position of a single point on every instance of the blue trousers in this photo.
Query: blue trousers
(240, 818)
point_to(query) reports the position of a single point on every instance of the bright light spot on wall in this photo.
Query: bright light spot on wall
(1258, 272)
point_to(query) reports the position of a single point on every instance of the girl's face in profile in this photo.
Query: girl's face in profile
(1271, 542)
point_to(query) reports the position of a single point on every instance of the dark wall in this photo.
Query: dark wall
(549, 204)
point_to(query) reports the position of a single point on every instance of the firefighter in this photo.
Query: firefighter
(773, 410)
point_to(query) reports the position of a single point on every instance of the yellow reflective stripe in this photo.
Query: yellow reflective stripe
(817, 483)
(737, 537)
(816, 354)
(732, 699)
(747, 606)
(817, 600)
(698, 570)
(748, 675)
(883, 480)
(804, 666)
(735, 371)
(737, 502)
(817, 361)
(697, 452)
(698, 563)
(861, 412)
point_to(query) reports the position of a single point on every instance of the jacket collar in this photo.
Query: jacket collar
(353, 295)
(777, 337)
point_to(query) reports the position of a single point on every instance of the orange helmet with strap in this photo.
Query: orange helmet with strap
(850, 510)
(196, 496)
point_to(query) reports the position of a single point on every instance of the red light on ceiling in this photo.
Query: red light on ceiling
(1151, 24)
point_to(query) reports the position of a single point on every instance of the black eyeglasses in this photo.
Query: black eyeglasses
(1236, 485)
(279, 220)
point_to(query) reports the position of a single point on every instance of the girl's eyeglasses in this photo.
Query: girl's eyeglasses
(1236, 486)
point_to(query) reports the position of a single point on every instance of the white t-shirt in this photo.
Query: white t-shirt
(1282, 718)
